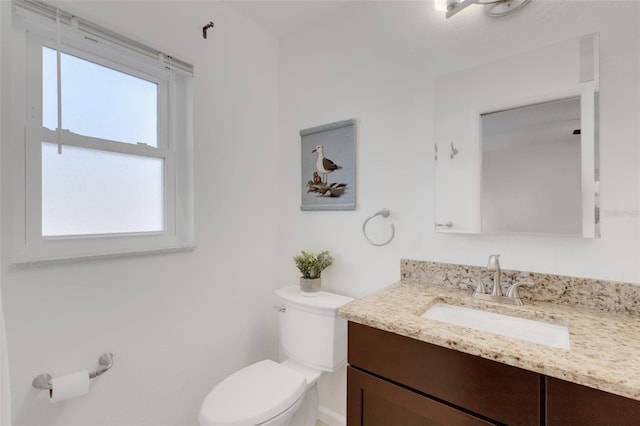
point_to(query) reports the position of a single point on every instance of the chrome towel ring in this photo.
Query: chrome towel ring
(384, 213)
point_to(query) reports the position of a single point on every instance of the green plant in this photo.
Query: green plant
(311, 265)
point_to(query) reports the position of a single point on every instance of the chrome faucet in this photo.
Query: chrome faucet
(512, 297)
(494, 266)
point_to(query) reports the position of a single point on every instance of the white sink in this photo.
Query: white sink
(539, 332)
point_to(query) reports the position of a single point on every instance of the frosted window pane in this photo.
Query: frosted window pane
(87, 191)
(98, 101)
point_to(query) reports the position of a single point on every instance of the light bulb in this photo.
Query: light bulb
(440, 5)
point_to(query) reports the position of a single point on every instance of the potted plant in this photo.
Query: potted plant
(311, 266)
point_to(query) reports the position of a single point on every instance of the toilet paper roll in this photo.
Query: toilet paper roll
(69, 386)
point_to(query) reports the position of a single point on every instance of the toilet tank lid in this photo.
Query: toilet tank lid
(252, 395)
(325, 302)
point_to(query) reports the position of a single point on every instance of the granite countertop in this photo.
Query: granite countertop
(605, 347)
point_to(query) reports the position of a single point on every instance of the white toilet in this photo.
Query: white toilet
(314, 338)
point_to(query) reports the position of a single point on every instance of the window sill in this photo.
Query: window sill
(73, 259)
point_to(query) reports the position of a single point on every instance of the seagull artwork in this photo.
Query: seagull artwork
(323, 164)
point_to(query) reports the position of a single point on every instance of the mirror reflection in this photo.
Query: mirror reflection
(531, 169)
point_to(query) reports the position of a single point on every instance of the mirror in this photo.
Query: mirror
(519, 154)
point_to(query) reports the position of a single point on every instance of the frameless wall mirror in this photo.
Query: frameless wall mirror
(519, 155)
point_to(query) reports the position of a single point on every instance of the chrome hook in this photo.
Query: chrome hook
(454, 151)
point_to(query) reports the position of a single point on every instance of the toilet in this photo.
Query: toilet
(313, 338)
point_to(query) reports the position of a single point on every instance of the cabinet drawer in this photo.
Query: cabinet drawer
(377, 402)
(507, 394)
(571, 404)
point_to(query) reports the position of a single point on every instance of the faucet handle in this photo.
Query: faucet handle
(513, 292)
(479, 287)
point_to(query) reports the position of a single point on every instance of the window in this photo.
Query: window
(104, 148)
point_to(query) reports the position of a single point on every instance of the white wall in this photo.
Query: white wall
(377, 62)
(177, 324)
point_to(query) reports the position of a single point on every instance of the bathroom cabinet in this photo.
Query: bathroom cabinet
(489, 391)
(392, 379)
(383, 403)
(571, 404)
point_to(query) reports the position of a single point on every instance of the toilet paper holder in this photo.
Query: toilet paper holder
(43, 381)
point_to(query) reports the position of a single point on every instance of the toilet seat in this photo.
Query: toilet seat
(253, 395)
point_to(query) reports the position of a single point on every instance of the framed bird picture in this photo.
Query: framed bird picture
(328, 160)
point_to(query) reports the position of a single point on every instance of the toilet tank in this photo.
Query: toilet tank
(311, 332)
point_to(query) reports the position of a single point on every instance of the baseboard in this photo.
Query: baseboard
(331, 418)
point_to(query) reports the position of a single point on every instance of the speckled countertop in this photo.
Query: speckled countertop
(605, 346)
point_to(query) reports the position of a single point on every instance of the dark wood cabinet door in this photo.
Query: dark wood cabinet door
(488, 388)
(372, 401)
(570, 404)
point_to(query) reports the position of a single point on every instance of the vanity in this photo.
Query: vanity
(405, 369)
(518, 156)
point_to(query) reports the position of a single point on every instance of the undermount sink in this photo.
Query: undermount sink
(505, 325)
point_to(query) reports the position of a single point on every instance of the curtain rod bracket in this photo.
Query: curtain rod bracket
(205, 28)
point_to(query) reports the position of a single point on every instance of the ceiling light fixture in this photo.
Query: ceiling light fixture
(492, 8)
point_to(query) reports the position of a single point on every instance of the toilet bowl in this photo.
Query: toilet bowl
(279, 394)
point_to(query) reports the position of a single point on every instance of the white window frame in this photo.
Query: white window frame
(31, 32)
